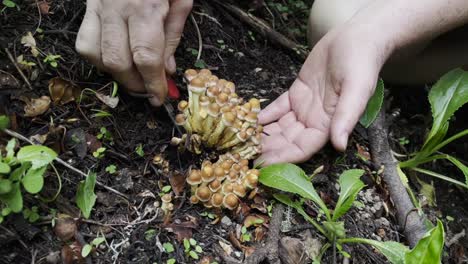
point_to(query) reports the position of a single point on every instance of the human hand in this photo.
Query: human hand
(328, 97)
(134, 40)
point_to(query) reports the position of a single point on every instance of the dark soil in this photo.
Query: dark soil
(133, 233)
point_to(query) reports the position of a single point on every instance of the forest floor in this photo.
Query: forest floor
(134, 227)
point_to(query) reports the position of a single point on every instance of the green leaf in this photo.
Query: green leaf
(139, 150)
(460, 165)
(171, 261)
(10, 148)
(200, 64)
(192, 241)
(166, 189)
(290, 178)
(13, 199)
(168, 247)
(335, 228)
(198, 249)
(5, 186)
(38, 155)
(393, 251)
(98, 241)
(9, 3)
(33, 181)
(186, 245)
(4, 168)
(86, 250)
(429, 248)
(4, 122)
(428, 191)
(445, 97)
(373, 106)
(350, 185)
(85, 197)
(193, 254)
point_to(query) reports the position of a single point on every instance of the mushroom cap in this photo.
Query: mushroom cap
(203, 193)
(182, 105)
(217, 199)
(204, 100)
(194, 199)
(221, 83)
(230, 201)
(246, 107)
(167, 198)
(212, 80)
(206, 163)
(222, 99)
(250, 131)
(180, 119)
(226, 90)
(227, 188)
(251, 117)
(205, 73)
(229, 118)
(233, 175)
(255, 103)
(242, 136)
(231, 86)
(239, 190)
(212, 91)
(241, 115)
(236, 167)
(236, 157)
(226, 165)
(158, 159)
(215, 185)
(197, 85)
(207, 173)
(251, 180)
(213, 109)
(219, 173)
(244, 162)
(190, 74)
(194, 178)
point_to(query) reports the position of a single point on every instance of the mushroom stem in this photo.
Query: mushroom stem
(240, 137)
(227, 119)
(196, 88)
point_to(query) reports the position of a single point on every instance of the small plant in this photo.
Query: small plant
(168, 247)
(245, 235)
(403, 141)
(52, 60)
(85, 197)
(104, 134)
(99, 153)
(94, 244)
(139, 150)
(209, 215)
(150, 234)
(291, 178)
(448, 95)
(192, 248)
(22, 170)
(111, 169)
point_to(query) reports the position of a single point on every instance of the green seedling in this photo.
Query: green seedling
(200, 64)
(209, 215)
(150, 234)
(89, 247)
(168, 247)
(32, 214)
(104, 134)
(112, 169)
(52, 60)
(85, 196)
(192, 249)
(99, 153)
(245, 235)
(139, 150)
(403, 141)
(166, 189)
(290, 178)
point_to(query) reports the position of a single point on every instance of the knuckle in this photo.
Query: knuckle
(146, 57)
(186, 6)
(112, 61)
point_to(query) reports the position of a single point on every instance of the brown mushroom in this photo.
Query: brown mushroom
(230, 201)
(203, 193)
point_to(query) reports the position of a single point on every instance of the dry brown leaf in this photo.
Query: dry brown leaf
(29, 41)
(93, 143)
(177, 181)
(36, 107)
(181, 230)
(259, 233)
(226, 247)
(112, 102)
(62, 91)
(255, 220)
(44, 7)
(363, 153)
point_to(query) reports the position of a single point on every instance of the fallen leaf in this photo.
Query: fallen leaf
(93, 143)
(65, 227)
(112, 102)
(62, 91)
(36, 107)
(29, 41)
(254, 220)
(44, 7)
(259, 233)
(363, 153)
(177, 181)
(181, 230)
(226, 247)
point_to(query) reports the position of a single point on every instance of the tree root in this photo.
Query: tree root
(270, 249)
(408, 218)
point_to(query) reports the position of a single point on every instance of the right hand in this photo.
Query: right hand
(134, 40)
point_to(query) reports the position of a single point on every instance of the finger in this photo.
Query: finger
(291, 154)
(275, 110)
(351, 104)
(88, 39)
(147, 44)
(115, 51)
(271, 129)
(174, 26)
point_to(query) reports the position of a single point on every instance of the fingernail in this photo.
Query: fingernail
(155, 101)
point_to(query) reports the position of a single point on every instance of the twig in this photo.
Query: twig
(200, 41)
(265, 30)
(64, 163)
(40, 17)
(270, 250)
(12, 59)
(408, 217)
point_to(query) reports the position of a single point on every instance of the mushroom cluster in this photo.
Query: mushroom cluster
(223, 183)
(216, 117)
